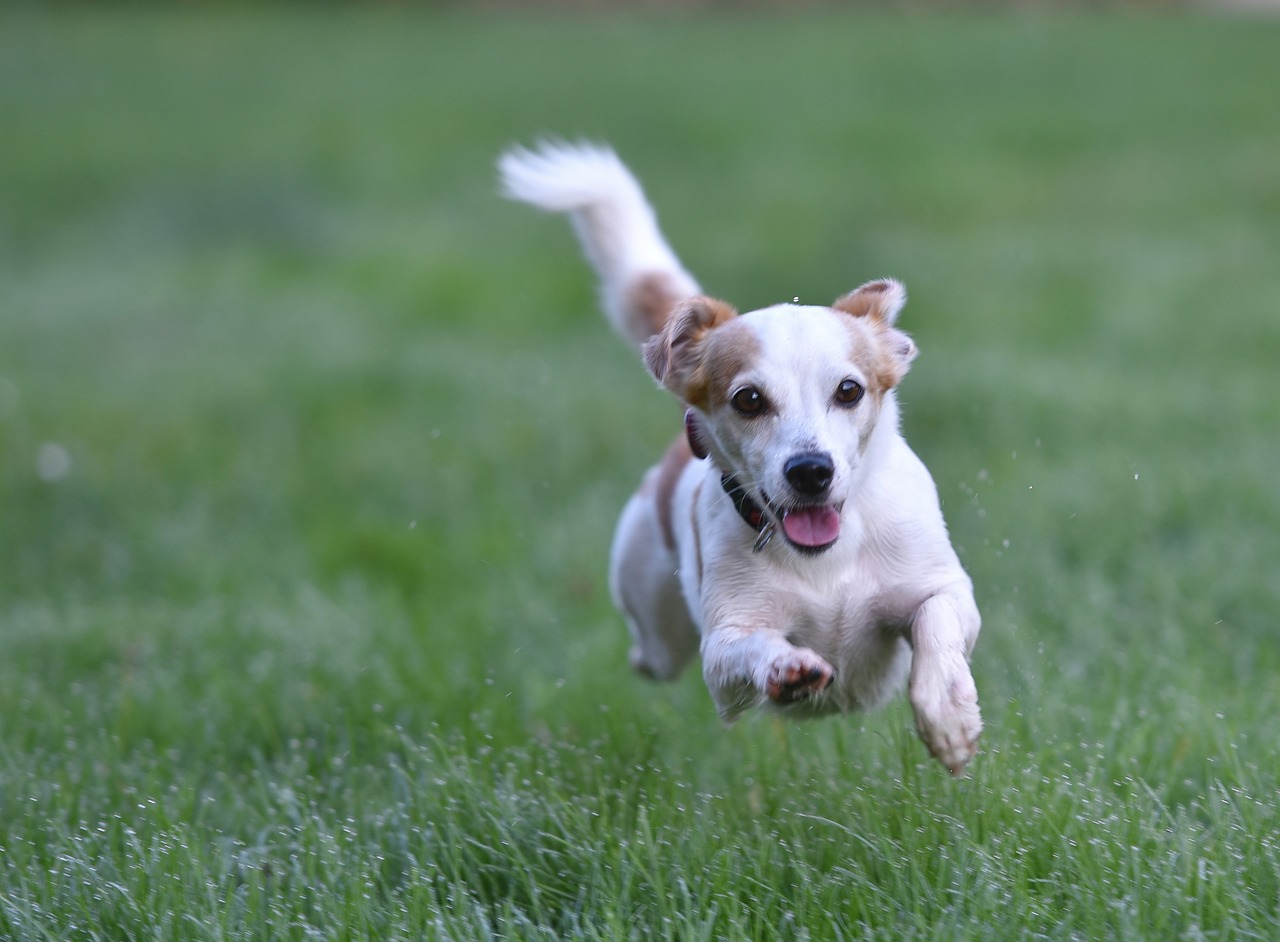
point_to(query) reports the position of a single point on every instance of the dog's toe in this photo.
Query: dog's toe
(797, 675)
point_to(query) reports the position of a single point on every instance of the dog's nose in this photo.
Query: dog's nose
(810, 473)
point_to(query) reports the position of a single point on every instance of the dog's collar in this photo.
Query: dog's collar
(749, 510)
(744, 503)
(747, 507)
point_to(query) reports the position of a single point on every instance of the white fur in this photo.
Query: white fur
(610, 215)
(801, 628)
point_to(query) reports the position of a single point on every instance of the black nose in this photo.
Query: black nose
(810, 473)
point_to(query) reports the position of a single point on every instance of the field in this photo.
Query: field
(311, 449)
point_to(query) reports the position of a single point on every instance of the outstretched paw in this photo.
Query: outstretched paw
(797, 675)
(949, 721)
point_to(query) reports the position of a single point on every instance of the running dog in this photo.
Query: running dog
(789, 534)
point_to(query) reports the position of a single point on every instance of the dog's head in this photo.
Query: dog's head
(787, 398)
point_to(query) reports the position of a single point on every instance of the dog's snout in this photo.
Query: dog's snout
(810, 473)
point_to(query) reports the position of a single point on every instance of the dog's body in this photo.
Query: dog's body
(791, 534)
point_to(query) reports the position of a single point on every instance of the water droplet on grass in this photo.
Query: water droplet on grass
(53, 462)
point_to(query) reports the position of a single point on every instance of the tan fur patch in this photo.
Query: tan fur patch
(673, 463)
(725, 354)
(650, 299)
(880, 300)
(675, 356)
(883, 351)
(871, 349)
(697, 535)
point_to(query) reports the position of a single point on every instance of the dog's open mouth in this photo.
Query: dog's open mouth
(812, 528)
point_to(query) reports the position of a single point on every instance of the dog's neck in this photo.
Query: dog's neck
(746, 506)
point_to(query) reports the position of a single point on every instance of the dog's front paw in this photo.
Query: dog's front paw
(797, 675)
(948, 719)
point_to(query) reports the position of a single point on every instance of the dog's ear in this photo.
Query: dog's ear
(880, 302)
(672, 355)
(898, 352)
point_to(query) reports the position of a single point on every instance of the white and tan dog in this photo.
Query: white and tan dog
(790, 533)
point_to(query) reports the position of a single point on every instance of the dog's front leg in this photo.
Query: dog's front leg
(746, 667)
(942, 691)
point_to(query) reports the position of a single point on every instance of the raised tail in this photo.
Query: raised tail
(641, 279)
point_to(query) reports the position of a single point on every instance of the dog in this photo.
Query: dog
(789, 534)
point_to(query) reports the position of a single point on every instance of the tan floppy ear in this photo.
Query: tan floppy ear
(881, 300)
(673, 356)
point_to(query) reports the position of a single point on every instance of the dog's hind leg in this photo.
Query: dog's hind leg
(646, 589)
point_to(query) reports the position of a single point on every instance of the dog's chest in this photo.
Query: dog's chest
(863, 636)
(842, 614)
(833, 615)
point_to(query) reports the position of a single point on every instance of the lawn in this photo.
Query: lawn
(311, 449)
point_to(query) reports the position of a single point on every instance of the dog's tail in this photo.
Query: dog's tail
(641, 279)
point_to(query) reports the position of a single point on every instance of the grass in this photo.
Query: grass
(310, 451)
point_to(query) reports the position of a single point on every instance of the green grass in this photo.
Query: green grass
(311, 639)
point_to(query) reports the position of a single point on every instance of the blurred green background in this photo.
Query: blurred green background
(311, 449)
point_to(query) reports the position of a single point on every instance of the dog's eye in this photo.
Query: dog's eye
(849, 392)
(748, 401)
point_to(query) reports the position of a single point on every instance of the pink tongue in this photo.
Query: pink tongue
(811, 526)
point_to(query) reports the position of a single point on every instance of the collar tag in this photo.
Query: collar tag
(763, 539)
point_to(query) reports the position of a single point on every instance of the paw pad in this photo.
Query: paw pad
(793, 678)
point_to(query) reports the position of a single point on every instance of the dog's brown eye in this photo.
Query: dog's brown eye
(748, 401)
(849, 392)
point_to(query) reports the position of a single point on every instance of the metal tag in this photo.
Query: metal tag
(763, 539)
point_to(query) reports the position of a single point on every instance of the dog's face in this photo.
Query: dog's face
(786, 398)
